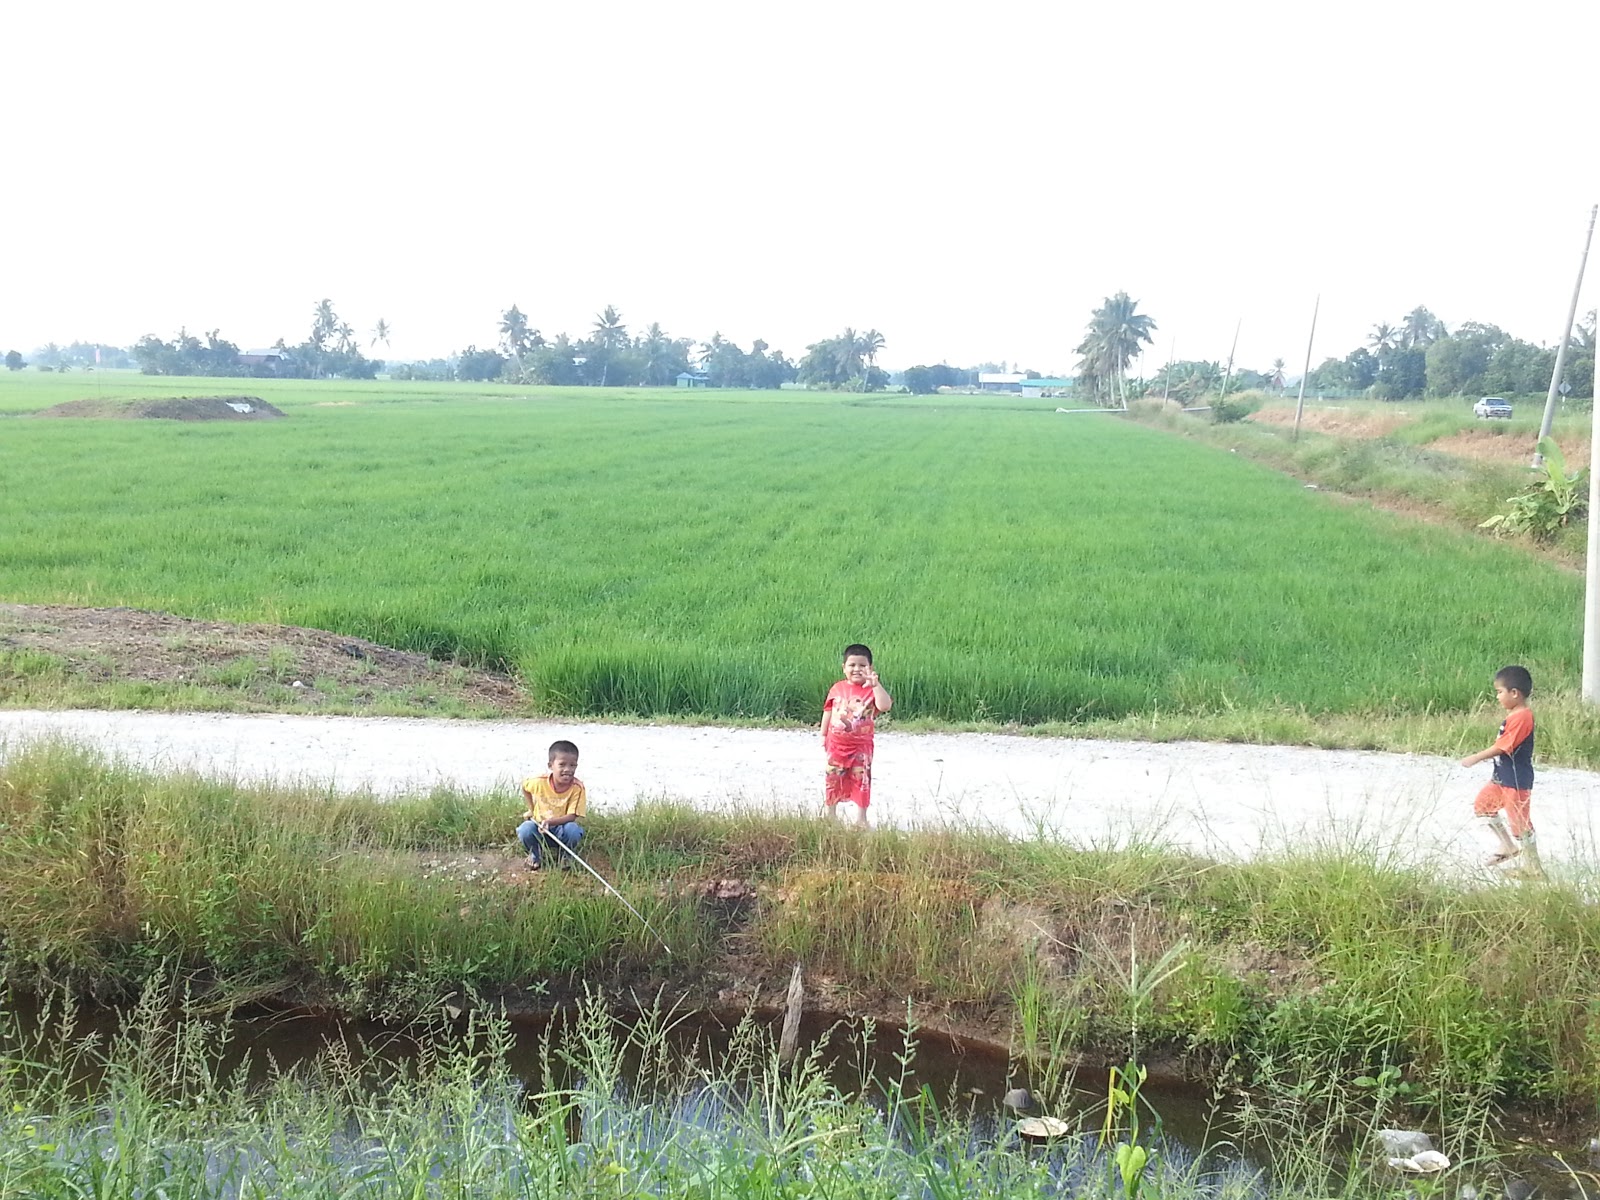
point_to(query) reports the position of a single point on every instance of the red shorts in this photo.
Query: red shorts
(1496, 797)
(848, 777)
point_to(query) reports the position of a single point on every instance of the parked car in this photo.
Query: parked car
(1492, 406)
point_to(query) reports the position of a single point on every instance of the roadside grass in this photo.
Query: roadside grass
(648, 554)
(1398, 468)
(1326, 964)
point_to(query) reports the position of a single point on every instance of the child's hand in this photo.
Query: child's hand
(872, 678)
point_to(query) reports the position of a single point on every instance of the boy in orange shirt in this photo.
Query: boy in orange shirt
(1510, 788)
(848, 714)
(556, 800)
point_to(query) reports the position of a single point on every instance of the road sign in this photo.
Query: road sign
(1564, 388)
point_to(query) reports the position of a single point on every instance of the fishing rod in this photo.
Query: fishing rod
(577, 858)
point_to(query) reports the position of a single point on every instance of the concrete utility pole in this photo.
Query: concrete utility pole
(1228, 376)
(1300, 400)
(1591, 567)
(1561, 346)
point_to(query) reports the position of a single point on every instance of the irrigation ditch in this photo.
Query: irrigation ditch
(1312, 997)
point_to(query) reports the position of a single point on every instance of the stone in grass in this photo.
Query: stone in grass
(1410, 1150)
(1018, 1100)
(1042, 1129)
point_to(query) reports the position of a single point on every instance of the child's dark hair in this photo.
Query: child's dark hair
(857, 648)
(562, 748)
(1516, 679)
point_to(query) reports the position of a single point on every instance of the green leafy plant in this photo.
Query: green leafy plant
(1555, 499)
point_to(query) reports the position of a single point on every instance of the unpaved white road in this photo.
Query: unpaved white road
(1222, 799)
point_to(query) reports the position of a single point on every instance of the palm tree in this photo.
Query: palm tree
(609, 333)
(380, 333)
(656, 347)
(1276, 378)
(1420, 328)
(514, 332)
(1383, 338)
(347, 337)
(846, 350)
(1115, 336)
(323, 323)
(868, 344)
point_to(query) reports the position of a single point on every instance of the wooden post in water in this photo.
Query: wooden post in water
(789, 1040)
(1300, 401)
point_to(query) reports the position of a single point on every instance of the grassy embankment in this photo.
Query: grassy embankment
(1313, 969)
(1397, 453)
(652, 554)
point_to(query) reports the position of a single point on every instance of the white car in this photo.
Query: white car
(1492, 406)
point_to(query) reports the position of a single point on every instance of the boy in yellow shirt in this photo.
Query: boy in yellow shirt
(556, 800)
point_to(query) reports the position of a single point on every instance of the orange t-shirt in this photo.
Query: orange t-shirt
(1513, 765)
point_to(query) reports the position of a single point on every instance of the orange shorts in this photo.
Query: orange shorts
(848, 777)
(1496, 797)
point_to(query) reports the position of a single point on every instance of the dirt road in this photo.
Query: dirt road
(1222, 799)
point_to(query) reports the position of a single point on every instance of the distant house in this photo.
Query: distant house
(692, 379)
(268, 359)
(1001, 381)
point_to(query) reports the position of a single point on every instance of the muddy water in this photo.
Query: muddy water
(965, 1079)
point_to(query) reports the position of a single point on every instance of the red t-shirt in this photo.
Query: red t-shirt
(850, 730)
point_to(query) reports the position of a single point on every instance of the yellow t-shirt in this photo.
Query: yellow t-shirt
(545, 802)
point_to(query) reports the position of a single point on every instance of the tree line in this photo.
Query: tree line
(1416, 357)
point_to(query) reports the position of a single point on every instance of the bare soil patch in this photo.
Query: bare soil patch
(178, 408)
(1344, 422)
(268, 664)
(1488, 446)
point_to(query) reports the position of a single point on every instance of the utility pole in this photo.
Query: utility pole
(1228, 376)
(1300, 400)
(1561, 346)
(1591, 570)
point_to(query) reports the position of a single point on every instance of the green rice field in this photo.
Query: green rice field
(659, 552)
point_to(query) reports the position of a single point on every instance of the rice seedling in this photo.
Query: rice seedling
(643, 553)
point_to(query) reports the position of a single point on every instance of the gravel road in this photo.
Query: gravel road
(1229, 800)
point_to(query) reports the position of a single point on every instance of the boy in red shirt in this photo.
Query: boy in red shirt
(852, 706)
(1511, 786)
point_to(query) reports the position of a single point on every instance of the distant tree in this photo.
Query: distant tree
(14, 361)
(477, 366)
(323, 323)
(869, 344)
(380, 333)
(552, 363)
(1275, 377)
(1383, 338)
(1420, 329)
(1117, 334)
(516, 339)
(1402, 373)
(1579, 367)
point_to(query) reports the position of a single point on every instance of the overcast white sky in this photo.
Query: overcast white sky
(969, 178)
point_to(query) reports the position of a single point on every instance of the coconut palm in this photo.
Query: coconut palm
(1276, 379)
(868, 344)
(380, 333)
(1419, 328)
(323, 323)
(609, 334)
(1384, 338)
(514, 332)
(347, 337)
(1116, 335)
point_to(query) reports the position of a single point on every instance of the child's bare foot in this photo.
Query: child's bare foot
(532, 863)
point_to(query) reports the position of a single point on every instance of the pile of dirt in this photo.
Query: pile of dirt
(1345, 422)
(1488, 446)
(177, 408)
(257, 665)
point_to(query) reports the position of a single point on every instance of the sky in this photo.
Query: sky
(970, 179)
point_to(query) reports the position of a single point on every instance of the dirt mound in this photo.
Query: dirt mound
(1342, 421)
(214, 663)
(178, 408)
(1489, 446)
